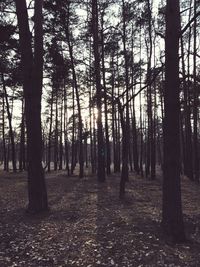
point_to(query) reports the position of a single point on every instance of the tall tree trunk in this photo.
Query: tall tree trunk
(134, 127)
(73, 134)
(3, 136)
(151, 139)
(114, 128)
(92, 143)
(135, 143)
(61, 137)
(22, 142)
(140, 101)
(66, 131)
(11, 134)
(100, 139)
(117, 125)
(90, 123)
(75, 84)
(108, 161)
(141, 140)
(196, 100)
(80, 124)
(124, 173)
(172, 218)
(126, 125)
(56, 131)
(188, 159)
(50, 133)
(32, 86)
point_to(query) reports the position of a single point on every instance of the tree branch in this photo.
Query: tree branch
(189, 23)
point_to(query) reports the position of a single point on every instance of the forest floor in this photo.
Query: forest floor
(89, 226)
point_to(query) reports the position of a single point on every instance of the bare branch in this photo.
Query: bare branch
(189, 23)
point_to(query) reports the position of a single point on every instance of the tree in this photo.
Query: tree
(172, 218)
(11, 133)
(100, 140)
(32, 66)
(75, 85)
(108, 159)
(196, 96)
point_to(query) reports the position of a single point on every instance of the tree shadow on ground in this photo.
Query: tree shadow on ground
(129, 231)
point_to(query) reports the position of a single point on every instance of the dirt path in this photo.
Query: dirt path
(89, 226)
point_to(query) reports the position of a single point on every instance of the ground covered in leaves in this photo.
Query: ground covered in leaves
(88, 225)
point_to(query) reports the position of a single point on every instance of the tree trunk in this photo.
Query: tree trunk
(135, 143)
(56, 131)
(172, 218)
(126, 134)
(11, 134)
(32, 86)
(151, 140)
(188, 159)
(80, 124)
(3, 136)
(124, 173)
(105, 102)
(73, 135)
(61, 138)
(22, 142)
(100, 139)
(196, 99)
(50, 133)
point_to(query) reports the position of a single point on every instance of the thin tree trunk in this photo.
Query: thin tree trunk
(188, 159)
(22, 142)
(124, 173)
(114, 128)
(196, 99)
(75, 84)
(73, 135)
(50, 133)
(61, 137)
(56, 132)
(151, 146)
(135, 142)
(126, 133)
(3, 136)
(108, 161)
(11, 134)
(141, 139)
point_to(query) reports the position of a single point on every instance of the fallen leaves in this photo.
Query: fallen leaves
(88, 226)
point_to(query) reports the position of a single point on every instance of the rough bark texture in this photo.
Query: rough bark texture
(32, 86)
(172, 219)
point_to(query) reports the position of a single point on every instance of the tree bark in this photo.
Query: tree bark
(196, 100)
(22, 152)
(32, 86)
(126, 125)
(172, 218)
(3, 136)
(100, 139)
(108, 161)
(11, 134)
(50, 133)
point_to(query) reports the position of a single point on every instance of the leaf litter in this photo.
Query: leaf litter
(88, 225)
